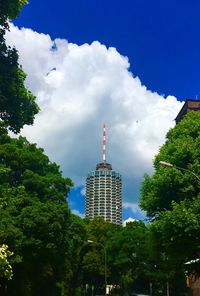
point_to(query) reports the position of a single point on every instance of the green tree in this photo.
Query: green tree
(167, 185)
(129, 254)
(77, 234)
(6, 271)
(35, 218)
(93, 261)
(5, 266)
(180, 227)
(171, 198)
(17, 104)
(9, 10)
(131, 264)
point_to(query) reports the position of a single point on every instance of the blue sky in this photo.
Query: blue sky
(161, 40)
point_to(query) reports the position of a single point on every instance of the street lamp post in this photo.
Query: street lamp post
(170, 165)
(105, 261)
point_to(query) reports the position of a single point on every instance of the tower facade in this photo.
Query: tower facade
(104, 191)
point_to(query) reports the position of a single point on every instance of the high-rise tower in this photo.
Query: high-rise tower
(104, 191)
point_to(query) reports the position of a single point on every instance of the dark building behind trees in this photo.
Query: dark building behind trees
(190, 105)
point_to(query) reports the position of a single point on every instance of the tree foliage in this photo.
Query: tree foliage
(171, 198)
(5, 266)
(17, 104)
(93, 264)
(180, 227)
(35, 217)
(77, 234)
(9, 10)
(167, 185)
(132, 260)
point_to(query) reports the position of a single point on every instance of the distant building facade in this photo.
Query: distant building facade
(104, 192)
(190, 105)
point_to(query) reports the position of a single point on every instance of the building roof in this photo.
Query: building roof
(190, 105)
(104, 166)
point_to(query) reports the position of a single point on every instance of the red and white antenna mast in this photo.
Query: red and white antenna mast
(104, 143)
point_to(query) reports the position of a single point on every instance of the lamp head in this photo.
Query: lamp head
(165, 164)
(90, 241)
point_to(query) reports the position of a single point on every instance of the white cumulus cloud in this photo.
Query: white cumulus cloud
(79, 88)
(132, 206)
(129, 220)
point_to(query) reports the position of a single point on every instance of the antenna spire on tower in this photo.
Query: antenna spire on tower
(104, 143)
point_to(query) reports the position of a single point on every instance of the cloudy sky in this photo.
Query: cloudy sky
(92, 62)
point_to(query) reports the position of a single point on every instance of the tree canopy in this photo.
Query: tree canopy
(9, 10)
(172, 201)
(171, 184)
(5, 267)
(17, 105)
(35, 217)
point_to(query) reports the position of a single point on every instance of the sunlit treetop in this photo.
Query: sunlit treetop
(172, 184)
(9, 10)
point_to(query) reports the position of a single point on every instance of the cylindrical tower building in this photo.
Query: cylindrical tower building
(104, 191)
